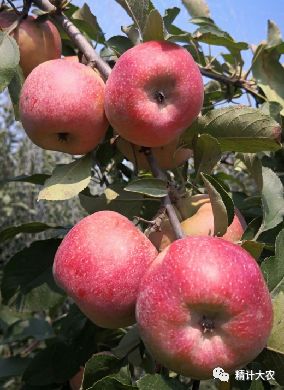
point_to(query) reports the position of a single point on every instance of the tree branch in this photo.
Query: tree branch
(234, 81)
(76, 37)
(166, 201)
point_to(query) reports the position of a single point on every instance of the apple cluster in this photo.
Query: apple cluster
(200, 302)
(153, 94)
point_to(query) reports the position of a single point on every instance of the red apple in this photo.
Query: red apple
(204, 304)
(100, 264)
(168, 157)
(154, 93)
(62, 107)
(39, 41)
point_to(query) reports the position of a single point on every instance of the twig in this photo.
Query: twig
(166, 201)
(14, 7)
(76, 37)
(234, 81)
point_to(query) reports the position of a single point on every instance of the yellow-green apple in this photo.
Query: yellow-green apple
(62, 107)
(154, 92)
(202, 304)
(168, 157)
(189, 204)
(38, 40)
(100, 264)
(199, 224)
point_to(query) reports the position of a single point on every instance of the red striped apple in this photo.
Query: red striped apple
(62, 107)
(100, 264)
(154, 92)
(204, 304)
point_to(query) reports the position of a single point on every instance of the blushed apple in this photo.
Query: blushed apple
(100, 264)
(199, 224)
(204, 304)
(154, 92)
(38, 40)
(62, 107)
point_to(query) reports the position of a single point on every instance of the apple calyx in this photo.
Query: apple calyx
(207, 324)
(63, 137)
(160, 97)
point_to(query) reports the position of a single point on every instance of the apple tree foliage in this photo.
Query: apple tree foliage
(238, 160)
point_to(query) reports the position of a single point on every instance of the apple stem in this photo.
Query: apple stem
(166, 201)
(76, 37)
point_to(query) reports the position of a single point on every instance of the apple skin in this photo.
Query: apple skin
(38, 41)
(62, 107)
(100, 264)
(154, 92)
(199, 224)
(202, 304)
(168, 157)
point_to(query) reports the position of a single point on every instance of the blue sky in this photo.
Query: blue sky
(244, 19)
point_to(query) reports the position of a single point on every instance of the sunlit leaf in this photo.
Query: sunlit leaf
(67, 180)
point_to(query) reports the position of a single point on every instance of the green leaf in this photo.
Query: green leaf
(274, 37)
(276, 339)
(138, 10)
(154, 29)
(209, 32)
(151, 186)
(111, 383)
(37, 178)
(30, 227)
(156, 381)
(254, 166)
(67, 180)
(89, 23)
(128, 204)
(9, 59)
(256, 385)
(14, 88)
(272, 109)
(128, 343)
(254, 248)
(222, 204)
(99, 366)
(40, 298)
(273, 267)
(238, 128)
(207, 153)
(272, 200)
(274, 361)
(13, 366)
(28, 269)
(197, 8)
(119, 44)
(35, 328)
(49, 365)
(132, 33)
(269, 74)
